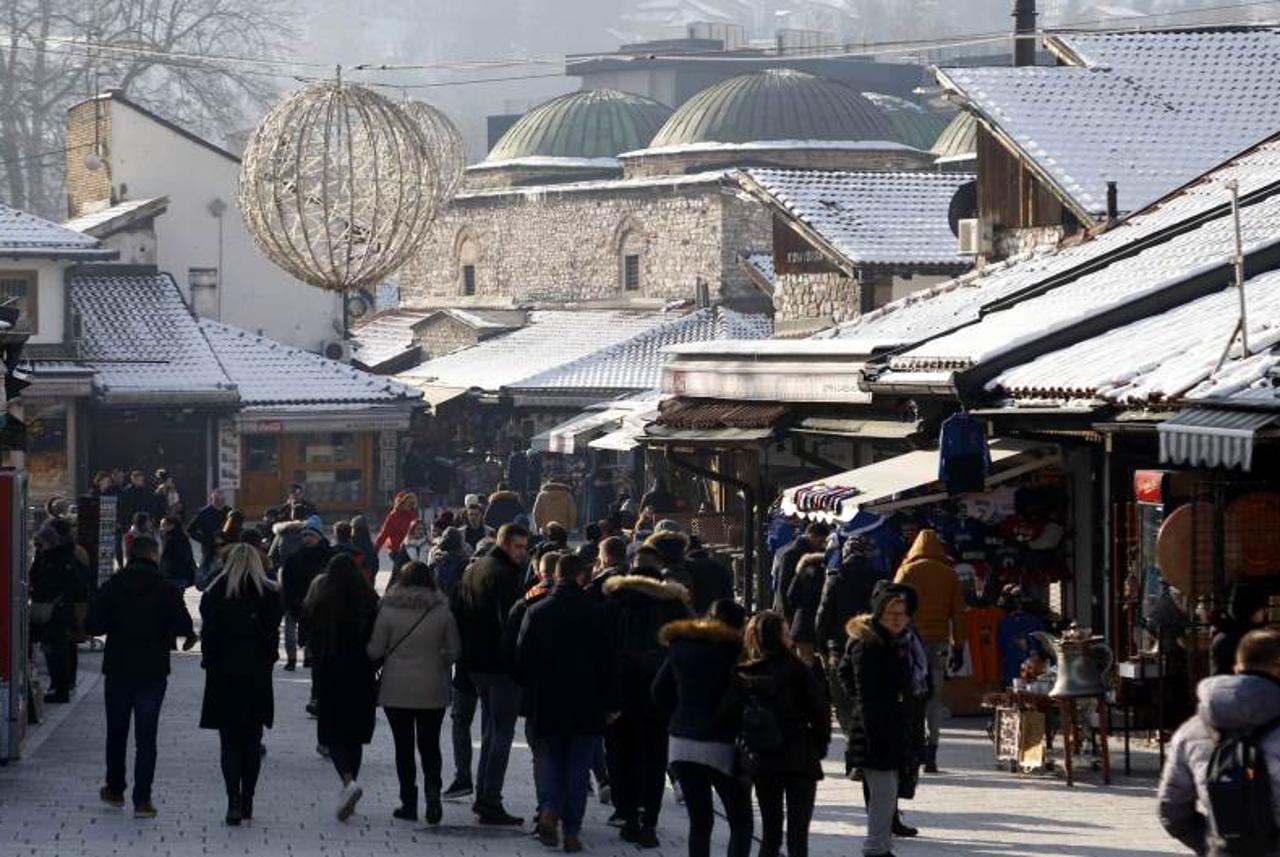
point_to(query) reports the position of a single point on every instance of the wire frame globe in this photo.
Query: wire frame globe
(338, 186)
(445, 144)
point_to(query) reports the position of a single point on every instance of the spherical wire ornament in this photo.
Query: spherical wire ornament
(444, 141)
(338, 186)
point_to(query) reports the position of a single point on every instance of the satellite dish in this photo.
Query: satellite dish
(964, 205)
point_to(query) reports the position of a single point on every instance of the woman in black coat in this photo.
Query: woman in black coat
(693, 686)
(879, 672)
(803, 596)
(241, 613)
(340, 609)
(786, 727)
(177, 560)
(57, 578)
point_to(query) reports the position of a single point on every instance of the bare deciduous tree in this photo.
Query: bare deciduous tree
(165, 54)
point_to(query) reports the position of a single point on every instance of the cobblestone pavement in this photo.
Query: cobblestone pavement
(49, 805)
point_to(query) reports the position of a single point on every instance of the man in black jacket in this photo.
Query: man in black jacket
(562, 655)
(812, 540)
(205, 527)
(489, 588)
(637, 606)
(141, 615)
(711, 580)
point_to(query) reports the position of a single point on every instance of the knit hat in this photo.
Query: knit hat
(666, 525)
(314, 525)
(473, 500)
(886, 590)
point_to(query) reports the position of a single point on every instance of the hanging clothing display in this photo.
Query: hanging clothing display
(964, 460)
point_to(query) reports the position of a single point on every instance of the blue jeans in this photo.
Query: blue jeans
(139, 701)
(462, 710)
(499, 709)
(568, 763)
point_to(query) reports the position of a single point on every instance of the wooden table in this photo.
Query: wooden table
(1068, 720)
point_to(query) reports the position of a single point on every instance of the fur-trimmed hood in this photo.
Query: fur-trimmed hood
(412, 597)
(861, 628)
(706, 630)
(555, 486)
(661, 590)
(285, 526)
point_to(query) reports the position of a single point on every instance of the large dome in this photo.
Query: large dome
(590, 123)
(913, 124)
(959, 140)
(777, 104)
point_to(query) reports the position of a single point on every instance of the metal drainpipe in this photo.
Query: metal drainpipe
(748, 521)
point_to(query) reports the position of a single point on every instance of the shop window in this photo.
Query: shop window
(468, 279)
(631, 272)
(325, 486)
(18, 290)
(262, 453)
(335, 448)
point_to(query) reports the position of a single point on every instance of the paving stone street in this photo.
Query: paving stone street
(49, 804)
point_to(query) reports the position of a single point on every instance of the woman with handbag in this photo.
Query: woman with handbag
(340, 608)
(415, 639)
(240, 614)
(57, 590)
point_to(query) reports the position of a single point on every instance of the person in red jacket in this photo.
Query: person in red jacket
(404, 511)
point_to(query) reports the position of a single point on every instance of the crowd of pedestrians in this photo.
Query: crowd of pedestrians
(624, 651)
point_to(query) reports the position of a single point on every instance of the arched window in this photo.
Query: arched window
(468, 259)
(630, 258)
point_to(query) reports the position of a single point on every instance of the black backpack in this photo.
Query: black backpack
(1241, 811)
(760, 729)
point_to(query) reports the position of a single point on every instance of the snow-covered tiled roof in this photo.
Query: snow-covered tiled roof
(24, 235)
(1135, 277)
(385, 336)
(551, 338)
(958, 302)
(107, 221)
(873, 218)
(267, 372)
(1149, 111)
(762, 265)
(142, 340)
(636, 364)
(1162, 357)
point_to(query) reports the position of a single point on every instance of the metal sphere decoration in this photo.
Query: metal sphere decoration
(444, 141)
(338, 186)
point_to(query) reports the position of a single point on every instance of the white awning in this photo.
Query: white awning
(568, 437)
(1212, 437)
(905, 481)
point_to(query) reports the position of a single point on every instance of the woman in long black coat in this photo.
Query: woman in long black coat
(177, 560)
(880, 671)
(241, 616)
(341, 607)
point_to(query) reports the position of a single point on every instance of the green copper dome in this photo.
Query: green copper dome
(590, 123)
(912, 124)
(777, 104)
(959, 139)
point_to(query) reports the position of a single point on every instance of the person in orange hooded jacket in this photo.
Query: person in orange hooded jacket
(939, 621)
(395, 526)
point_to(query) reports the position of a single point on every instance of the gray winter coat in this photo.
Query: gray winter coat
(416, 674)
(1229, 703)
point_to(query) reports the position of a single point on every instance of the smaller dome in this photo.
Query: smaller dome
(959, 139)
(913, 124)
(589, 123)
(776, 104)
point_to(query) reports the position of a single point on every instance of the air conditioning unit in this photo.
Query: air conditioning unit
(975, 236)
(337, 349)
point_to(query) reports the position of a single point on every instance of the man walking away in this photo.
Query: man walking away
(206, 526)
(141, 614)
(1244, 706)
(637, 606)
(611, 562)
(489, 588)
(812, 540)
(304, 565)
(563, 655)
(940, 622)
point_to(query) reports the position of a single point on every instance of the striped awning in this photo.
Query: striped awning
(1213, 437)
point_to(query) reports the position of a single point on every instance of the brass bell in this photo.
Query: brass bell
(1081, 665)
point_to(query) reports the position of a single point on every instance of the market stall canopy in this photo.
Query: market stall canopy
(568, 437)
(905, 481)
(1213, 437)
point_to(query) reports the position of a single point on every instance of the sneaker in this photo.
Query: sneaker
(496, 816)
(616, 820)
(458, 790)
(347, 800)
(572, 844)
(648, 838)
(606, 794)
(110, 797)
(146, 809)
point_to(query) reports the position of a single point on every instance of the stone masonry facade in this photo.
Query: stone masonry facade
(440, 335)
(558, 243)
(830, 296)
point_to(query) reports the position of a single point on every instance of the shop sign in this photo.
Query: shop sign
(387, 453)
(268, 427)
(781, 386)
(228, 454)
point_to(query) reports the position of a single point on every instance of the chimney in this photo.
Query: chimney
(1024, 32)
(1113, 209)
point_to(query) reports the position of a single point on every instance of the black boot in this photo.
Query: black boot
(235, 811)
(246, 806)
(408, 810)
(901, 828)
(434, 810)
(931, 759)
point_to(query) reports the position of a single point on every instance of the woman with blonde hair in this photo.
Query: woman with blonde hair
(241, 614)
